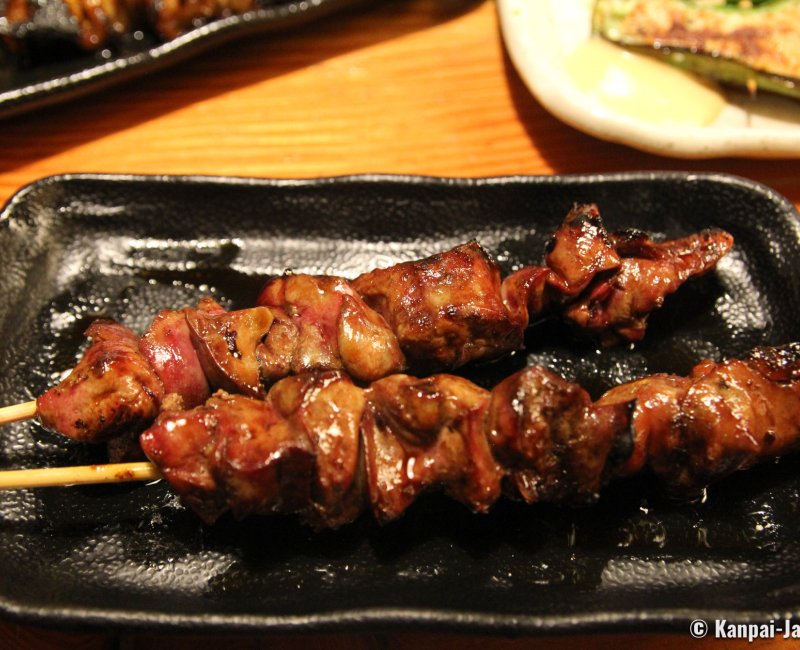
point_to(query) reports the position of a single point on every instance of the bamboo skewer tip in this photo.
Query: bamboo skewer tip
(17, 412)
(21, 479)
(65, 476)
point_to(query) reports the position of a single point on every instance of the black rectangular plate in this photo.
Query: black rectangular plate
(76, 248)
(63, 78)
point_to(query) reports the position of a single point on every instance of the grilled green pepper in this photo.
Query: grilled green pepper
(750, 43)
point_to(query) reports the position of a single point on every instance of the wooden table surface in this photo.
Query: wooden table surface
(400, 86)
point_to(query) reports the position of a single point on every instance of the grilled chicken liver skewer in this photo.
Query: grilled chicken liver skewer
(322, 447)
(419, 317)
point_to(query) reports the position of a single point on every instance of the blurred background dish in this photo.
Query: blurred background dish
(56, 70)
(633, 99)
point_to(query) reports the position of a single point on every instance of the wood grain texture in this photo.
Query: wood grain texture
(405, 86)
(400, 86)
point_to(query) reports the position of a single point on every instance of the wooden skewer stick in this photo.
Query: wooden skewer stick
(20, 479)
(24, 411)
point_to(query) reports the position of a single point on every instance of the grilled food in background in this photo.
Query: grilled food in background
(321, 447)
(753, 44)
(88, 25)
(425, 316)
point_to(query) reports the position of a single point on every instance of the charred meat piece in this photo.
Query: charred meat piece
(616, 307)
(552, 441)
(314, 312)
(278, 351)
(298, 451)
(654, 404)
(229, 345)
(580, 249)
(335, 329)
(263, 463)
(424, 434)
(112, 389)
(536, 434)
(732, 416)
(724, 417)
(607, 285)
(167, 346)
(233, 450)
(445, 310)
(236, 453)
(180, 443)
(779, 363)
(327, 408)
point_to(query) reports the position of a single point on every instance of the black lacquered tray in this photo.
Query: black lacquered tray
(58, 78)
(76, 248)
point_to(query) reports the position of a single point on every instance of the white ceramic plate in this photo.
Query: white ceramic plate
(541, 34)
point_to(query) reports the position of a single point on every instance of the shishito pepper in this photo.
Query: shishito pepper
(750, 43)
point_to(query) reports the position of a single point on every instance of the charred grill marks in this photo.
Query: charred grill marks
(424, 316)
(327, 450)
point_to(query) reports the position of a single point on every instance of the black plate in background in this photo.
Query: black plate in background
(67, 78)
(74, 248)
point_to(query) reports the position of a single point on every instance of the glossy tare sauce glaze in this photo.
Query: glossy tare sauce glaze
(419, 317)
(325, 449)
